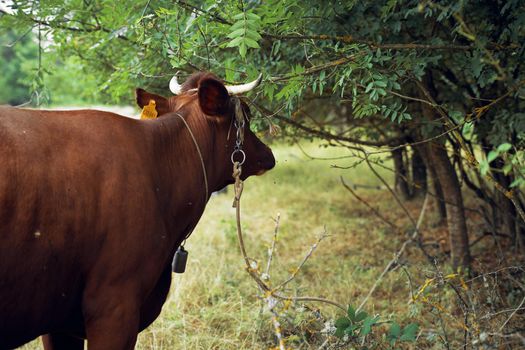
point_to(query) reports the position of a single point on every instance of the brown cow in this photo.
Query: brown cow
(93, 206)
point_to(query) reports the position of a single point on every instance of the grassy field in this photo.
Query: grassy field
(214, 305)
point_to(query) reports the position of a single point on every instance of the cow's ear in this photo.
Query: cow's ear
(214, 99)
(143, 97)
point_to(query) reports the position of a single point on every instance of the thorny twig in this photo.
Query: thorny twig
(272, 248)
(391, 191)
(306, 257)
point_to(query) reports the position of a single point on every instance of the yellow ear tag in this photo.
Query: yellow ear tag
(149, 111)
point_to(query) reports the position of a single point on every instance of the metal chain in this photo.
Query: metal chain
(239, 124)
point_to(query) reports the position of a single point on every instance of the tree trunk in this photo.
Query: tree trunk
(401, 183)
(419, 173)
(505, 211)
(424, 150)
(457, 226)
(438, 191)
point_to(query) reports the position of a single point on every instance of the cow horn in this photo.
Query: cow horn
(239, 89)
(175, 87)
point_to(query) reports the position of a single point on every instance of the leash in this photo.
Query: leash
(251, 265)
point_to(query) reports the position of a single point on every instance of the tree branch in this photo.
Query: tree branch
(347, 39)
(94, 28)
(327, 135)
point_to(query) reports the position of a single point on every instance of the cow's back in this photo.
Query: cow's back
(62, 176)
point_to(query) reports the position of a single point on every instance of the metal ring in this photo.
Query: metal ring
(243, 156)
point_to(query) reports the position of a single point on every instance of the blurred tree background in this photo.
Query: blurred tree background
(439, 86)
(15, 53)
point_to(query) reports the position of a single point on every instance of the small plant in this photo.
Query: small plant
(356, 325)
(398, 335)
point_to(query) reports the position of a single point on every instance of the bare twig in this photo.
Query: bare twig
(391, 191)
(311, 299)
(512, 314)
(301, 264)
(277, 327)
(272, 248)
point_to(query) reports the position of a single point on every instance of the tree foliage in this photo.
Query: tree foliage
(16, 58)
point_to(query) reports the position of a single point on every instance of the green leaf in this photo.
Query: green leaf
(457, 116)
(484, 167)
(504, 147)
(243, 49)
(507, 168)
(367, 325)
(235, 42)
(237, 33)
(361, 315)
(239, 16)
(253, 35)
(394, 115)
(342, 322)
(251, 24)
(492, 155)
(251, 43)
(244, 24)
(350, 330)
(253, 16)
(476, 65)
(395, 331)
(339, 332)
(269, 90)
(237, 25)
(351, 312)
(468, 131)
(369, 87)
(517, 182)
(229, 70)
(409, 332)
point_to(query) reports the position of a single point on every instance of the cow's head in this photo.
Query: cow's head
(210, 108)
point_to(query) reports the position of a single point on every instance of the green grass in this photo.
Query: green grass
(214, 304)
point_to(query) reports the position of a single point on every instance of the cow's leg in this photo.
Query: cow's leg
(152, 306)
(61, 341)
(111, 320)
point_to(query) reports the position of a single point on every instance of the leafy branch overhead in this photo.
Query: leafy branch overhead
(244, 32)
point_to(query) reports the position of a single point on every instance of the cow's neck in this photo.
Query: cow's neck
(182, 190)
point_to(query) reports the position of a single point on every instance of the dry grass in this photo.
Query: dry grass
(214, 304)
